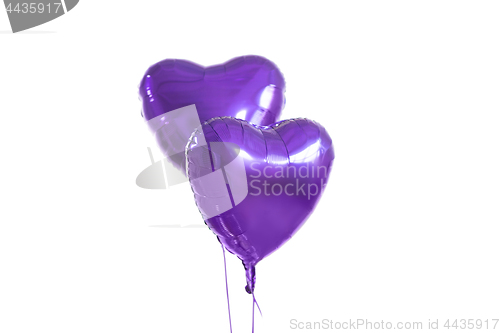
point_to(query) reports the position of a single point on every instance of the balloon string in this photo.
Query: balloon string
(253, 311)
(255, 302)
(253, 314)
(227, 291)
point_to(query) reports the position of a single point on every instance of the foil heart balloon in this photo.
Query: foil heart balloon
(249, 87)
(255, 186)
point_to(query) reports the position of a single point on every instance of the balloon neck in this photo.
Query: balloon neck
(250, 275)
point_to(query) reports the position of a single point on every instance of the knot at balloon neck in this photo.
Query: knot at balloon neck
(250, 276)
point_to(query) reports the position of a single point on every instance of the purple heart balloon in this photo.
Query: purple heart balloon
(255, 186)
(249, 87)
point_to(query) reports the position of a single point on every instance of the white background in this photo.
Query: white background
(408, 228)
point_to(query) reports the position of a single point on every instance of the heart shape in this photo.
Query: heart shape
(249, 87)
(255, 197)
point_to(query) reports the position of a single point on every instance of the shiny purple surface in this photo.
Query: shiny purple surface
(249, 87)
(251, 219)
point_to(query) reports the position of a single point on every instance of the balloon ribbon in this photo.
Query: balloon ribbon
(227, 290)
